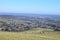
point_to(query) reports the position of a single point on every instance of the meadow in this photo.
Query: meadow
(34, 34)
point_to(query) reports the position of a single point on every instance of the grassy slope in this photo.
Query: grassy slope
(30, 35)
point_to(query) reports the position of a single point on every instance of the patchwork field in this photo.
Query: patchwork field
(35, 34)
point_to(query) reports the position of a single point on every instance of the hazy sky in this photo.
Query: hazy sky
(30, 6)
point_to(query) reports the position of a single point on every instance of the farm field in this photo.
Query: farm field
(34, 34)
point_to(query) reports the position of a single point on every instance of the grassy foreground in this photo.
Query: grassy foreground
(30, 35)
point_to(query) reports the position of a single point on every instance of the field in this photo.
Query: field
(35, 34)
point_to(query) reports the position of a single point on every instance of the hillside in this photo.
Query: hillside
(35, 34)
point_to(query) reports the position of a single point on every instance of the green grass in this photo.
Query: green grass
(10, 21)
(30, 35)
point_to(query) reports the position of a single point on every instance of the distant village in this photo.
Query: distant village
(23, 23)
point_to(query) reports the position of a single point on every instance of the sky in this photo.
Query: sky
(30, 6)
